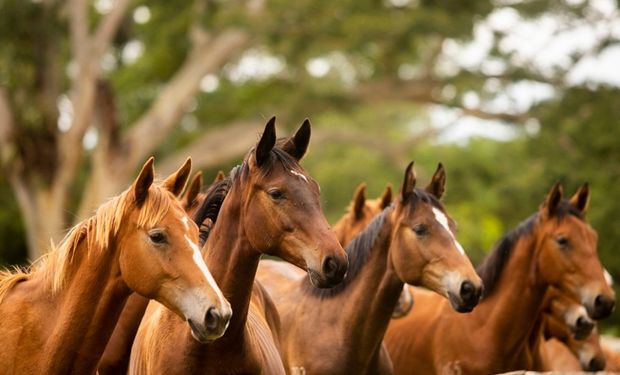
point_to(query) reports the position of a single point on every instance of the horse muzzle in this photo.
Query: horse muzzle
(212, 326)
(333, 271)
(466, 298)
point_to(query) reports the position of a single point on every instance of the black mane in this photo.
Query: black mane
(358, 251)
(210, 206)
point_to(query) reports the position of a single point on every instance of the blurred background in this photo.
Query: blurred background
(510, 95)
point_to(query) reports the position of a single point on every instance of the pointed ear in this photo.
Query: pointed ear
(175, 183)
(297, 145)
(194, 188)
(437, 186)
(553, 199)
(386, 197)
(143, 182)
(266, 143)
(219, 177)
(359, 200)
(581, 198)
(408, 183)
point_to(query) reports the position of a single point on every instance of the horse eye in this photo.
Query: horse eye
(275, 194)
(420, 229)
(562, 241)
(157, 237)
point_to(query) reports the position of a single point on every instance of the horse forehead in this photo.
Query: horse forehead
(299, 174)
(580, 229)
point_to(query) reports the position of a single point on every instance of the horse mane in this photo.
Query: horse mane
(358, 253)
(98, 231)
(492, 266)
(210, 206)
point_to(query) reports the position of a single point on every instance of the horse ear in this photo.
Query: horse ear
(581, 198)
(297, 145)
(195, 186)
(175, 183)
(266, 143)
(386, 197)
(553, 199)
(408, 183)
(437, 186)
(219, 177)
(143, 182)
(359, 200)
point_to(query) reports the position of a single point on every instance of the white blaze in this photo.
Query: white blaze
(185, 221)
(443, 220)
(608, 277)
(203, 267)
(299, 175)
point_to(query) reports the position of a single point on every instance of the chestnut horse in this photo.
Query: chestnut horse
(559, 344)
(57, 317)
(339, 331)
(555, 246)
(360, 213)
(115, 358)
(272, 207)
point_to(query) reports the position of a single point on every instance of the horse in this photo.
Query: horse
(559, 344)
(340, 330)
(271, 207)
(553, 247)
(58, 315)
(115, 358)
(360, 213)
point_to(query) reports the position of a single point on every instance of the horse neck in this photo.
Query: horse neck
(89, 304)
(377, 287)
(511, 312)
(232, 260)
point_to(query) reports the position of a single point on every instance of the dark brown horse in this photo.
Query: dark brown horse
(339, 331)
(271, 207)
(57, 318)
(555, 246)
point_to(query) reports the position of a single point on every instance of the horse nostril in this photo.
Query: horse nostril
(603, 306)
(212, 319)
(599, 301)
(330, 266)
(468, 291)
(583, 323)
(596, 364)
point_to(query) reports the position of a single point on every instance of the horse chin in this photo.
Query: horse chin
(457, 304)
(318, 281)
(200, 335)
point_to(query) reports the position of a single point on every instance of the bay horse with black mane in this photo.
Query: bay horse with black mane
(58, 316)
(340, 330)
(554, 247)
(271, 207)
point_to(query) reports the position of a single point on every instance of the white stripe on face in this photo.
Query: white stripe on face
(185, 221)
(608, 278)
(299, 175)
(203, 267)
(443, 221)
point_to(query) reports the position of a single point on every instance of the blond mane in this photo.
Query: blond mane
(97, 231)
